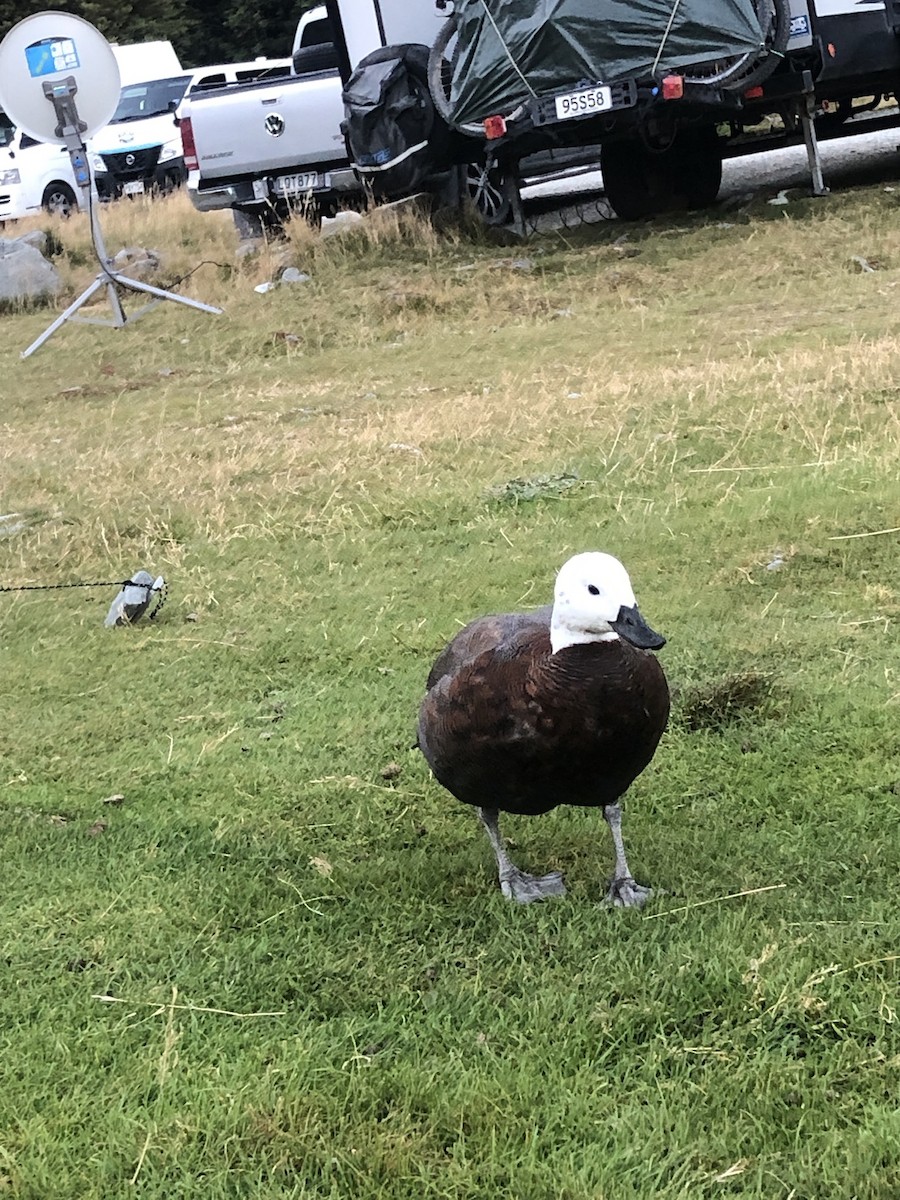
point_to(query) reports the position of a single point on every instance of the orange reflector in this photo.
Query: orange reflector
(494, 127)
(672, 87)
(753, 93)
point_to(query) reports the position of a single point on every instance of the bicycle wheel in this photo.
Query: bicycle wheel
(744, 71)
(439, 69)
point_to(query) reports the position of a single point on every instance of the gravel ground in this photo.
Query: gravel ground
(847, 162)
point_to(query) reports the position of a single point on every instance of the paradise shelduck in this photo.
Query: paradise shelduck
(525, 711)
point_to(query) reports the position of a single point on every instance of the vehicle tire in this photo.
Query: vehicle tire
(489, 191)
(257, 223)
(248, 223)
(59, 199)
(636, 183)
(695, 164)
(641, 180)
(309, 211)
(321, 57)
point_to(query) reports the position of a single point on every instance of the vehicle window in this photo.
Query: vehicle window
(28, 141)
(262, 73)
(7, 130)
(150, 99)
(210, 80)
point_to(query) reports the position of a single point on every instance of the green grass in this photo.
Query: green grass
(278, 970)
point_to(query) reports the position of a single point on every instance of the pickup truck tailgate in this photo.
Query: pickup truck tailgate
(268, 126)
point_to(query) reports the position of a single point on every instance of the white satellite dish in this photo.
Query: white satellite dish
(59, 81)
(51, 47)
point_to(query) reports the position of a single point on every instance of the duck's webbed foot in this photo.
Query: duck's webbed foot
(517, 885)
(625, 893)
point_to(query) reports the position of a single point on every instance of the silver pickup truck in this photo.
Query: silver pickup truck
(269, 148)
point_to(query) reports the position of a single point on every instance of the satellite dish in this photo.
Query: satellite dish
(51, 48)
(59, 82)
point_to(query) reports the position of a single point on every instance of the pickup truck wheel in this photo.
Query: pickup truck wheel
(259, 222)
(490, 190)
(58, 198)
(249, 224)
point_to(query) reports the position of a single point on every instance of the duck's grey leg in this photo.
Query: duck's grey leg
(515, 884)
(623, 891)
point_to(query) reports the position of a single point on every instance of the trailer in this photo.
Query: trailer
(464, 98)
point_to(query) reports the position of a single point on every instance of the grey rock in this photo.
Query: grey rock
(137, 262)
(25, 275)
(342, 222)
(36, 238)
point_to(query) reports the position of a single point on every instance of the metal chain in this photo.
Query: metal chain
(161, 591)
(49, 587)
(163, 594)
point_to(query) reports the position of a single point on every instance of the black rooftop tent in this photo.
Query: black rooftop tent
(511, 50)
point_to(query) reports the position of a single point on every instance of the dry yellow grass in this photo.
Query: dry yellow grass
(711, 357)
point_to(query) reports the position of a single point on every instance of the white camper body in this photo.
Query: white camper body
(146, 60)
(368, 24)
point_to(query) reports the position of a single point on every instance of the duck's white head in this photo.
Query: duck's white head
(594, 602)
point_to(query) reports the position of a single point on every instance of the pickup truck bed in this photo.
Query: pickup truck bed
(269, 145)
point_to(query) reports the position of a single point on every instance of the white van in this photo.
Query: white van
(37, 176)
(34, 176)
(140, 149)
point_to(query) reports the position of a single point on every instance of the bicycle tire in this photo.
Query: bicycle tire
(747, 70)
(437, 80)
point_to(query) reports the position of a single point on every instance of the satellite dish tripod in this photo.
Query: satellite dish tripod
(70, 127)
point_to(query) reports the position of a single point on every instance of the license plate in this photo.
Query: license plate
(583, 103)
(300, 184)
(133, 187)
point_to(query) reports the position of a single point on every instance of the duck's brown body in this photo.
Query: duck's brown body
(507, 725)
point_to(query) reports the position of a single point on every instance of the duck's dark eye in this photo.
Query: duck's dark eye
(595, 591)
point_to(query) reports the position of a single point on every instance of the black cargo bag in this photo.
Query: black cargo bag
(395, 139)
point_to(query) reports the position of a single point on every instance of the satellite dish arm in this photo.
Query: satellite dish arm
(61, 94)
(69, 126)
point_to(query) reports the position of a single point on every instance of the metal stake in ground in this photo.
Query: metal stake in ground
(137, 596)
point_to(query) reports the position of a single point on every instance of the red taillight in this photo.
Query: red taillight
(673, 87)
(187, 141)
(494, 127)
(753, 93)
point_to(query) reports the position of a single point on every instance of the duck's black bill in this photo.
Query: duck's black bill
(631, 626)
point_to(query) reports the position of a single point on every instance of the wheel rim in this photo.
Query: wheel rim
(58, 203)
(486, 191)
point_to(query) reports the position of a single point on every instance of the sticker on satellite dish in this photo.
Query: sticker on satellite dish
(50, 55)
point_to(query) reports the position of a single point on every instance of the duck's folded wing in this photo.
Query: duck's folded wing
(485, 633)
